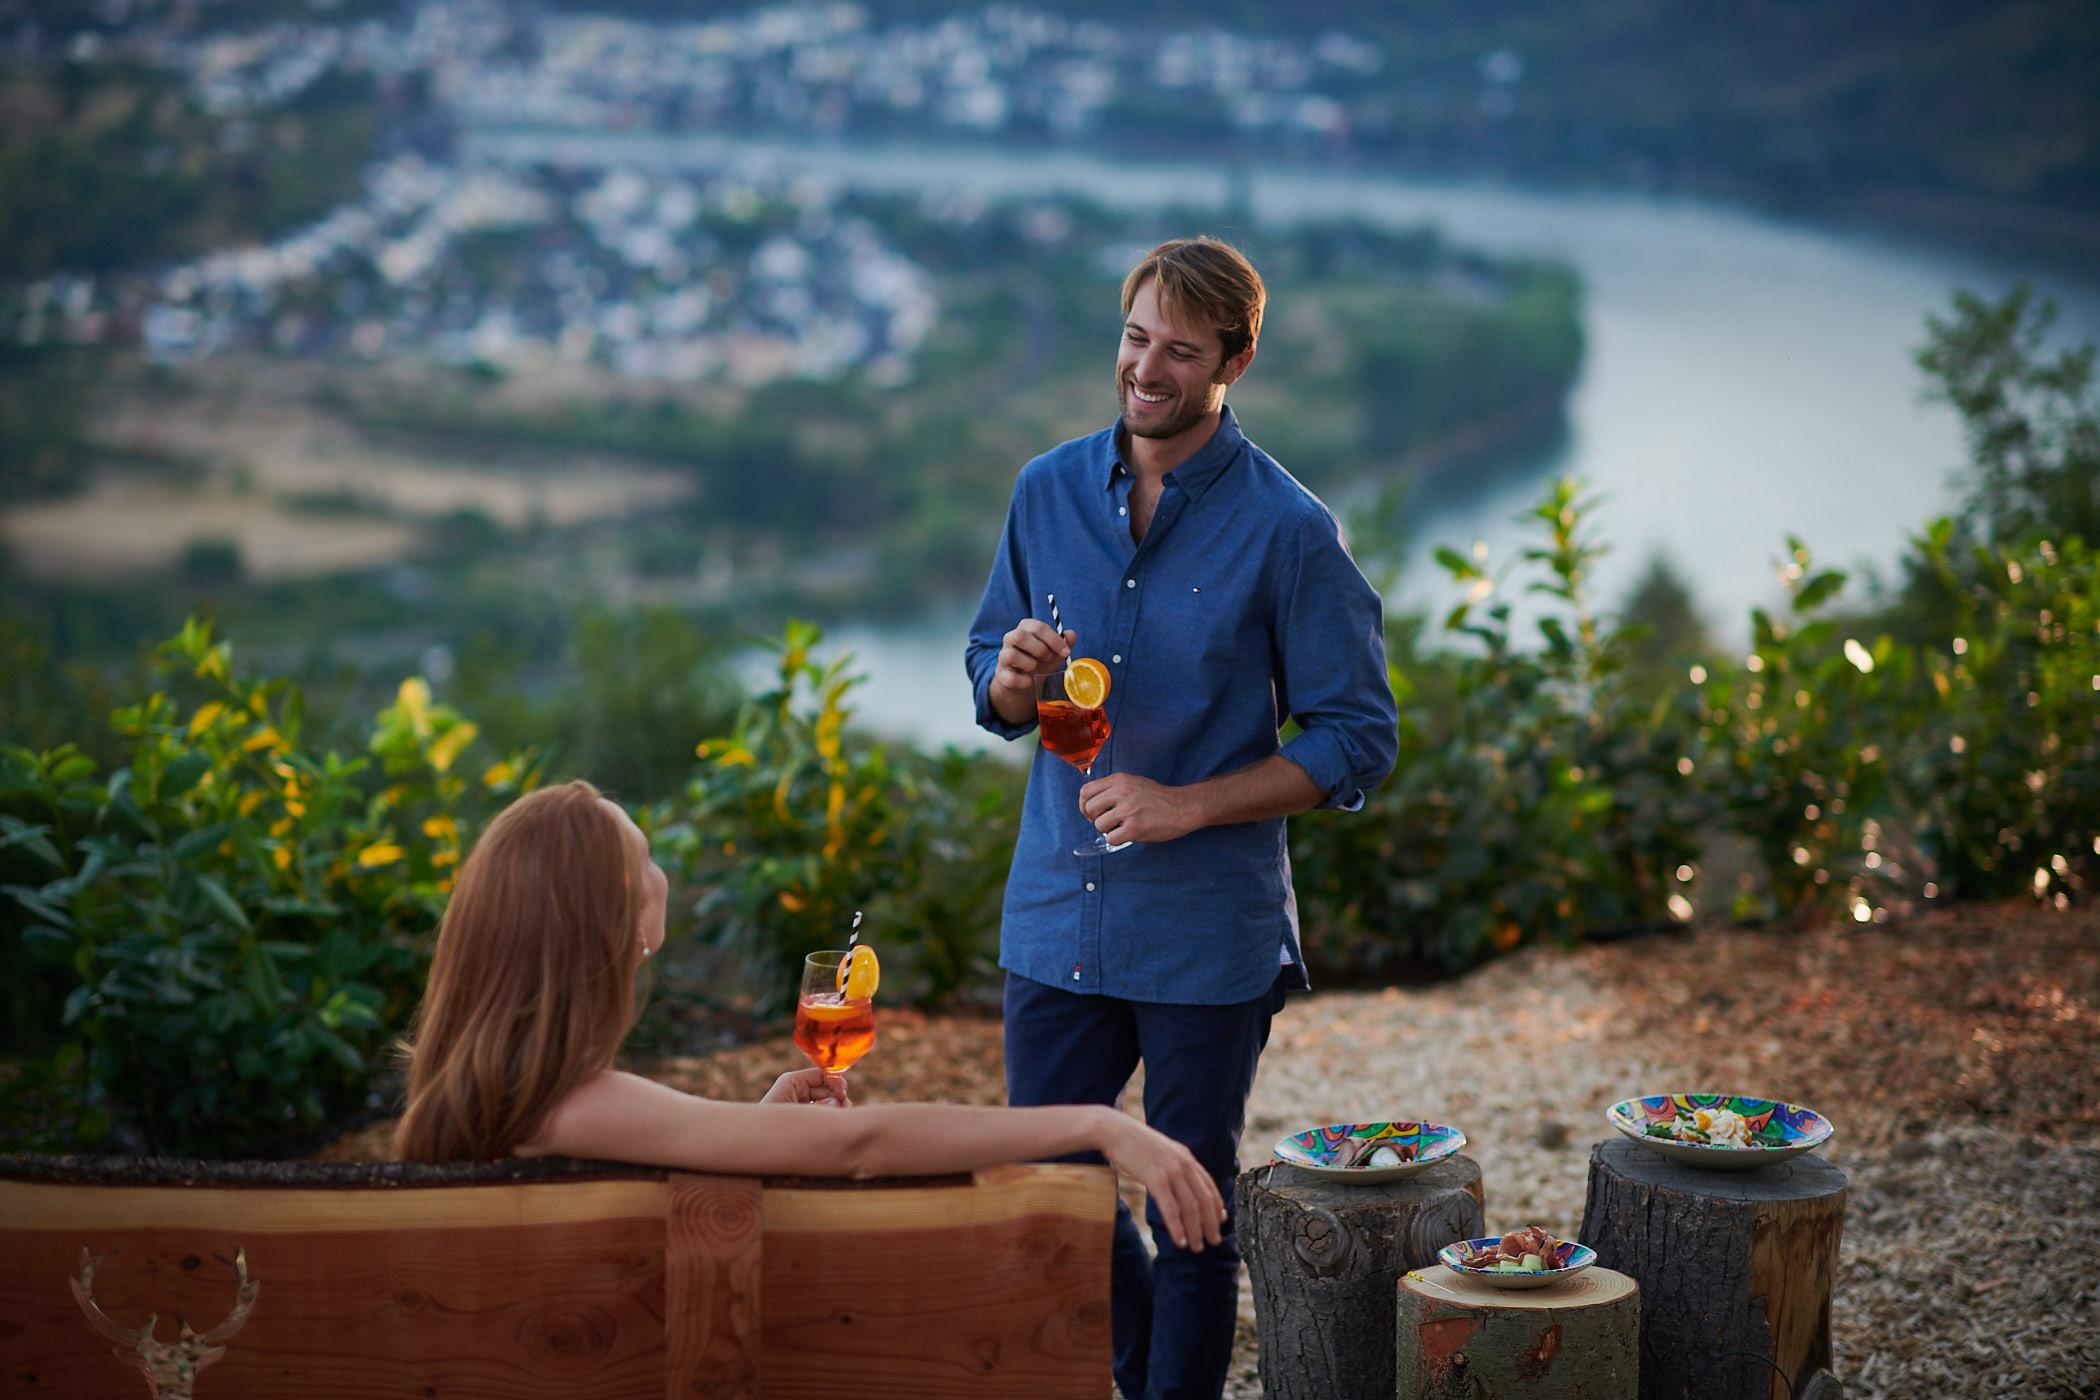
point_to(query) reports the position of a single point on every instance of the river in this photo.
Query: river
(1746, 377)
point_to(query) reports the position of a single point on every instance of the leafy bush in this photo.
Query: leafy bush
(242, 924)
(2004, 767)
(1795, 746)
(1536, 796)
(791, 823)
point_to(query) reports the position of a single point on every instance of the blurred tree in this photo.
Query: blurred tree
(1661, 626)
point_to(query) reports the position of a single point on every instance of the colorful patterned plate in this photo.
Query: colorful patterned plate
(1783, 1130)
(1569, 1259)
(1329, 1150)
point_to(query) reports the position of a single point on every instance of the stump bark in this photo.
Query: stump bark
(1735, 1268)
(1459, 1338)
(1324, 1258)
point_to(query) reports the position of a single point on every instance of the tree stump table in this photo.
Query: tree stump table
(1324, 1258)
(1735, 1269)
(1459, 1338)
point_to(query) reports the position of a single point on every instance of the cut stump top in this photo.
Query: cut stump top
(1312, 1189)
(1806, 1177)
(1594, 1287)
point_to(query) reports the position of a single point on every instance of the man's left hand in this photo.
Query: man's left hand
(1124, 807)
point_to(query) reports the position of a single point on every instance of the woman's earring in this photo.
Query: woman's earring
(647, 950)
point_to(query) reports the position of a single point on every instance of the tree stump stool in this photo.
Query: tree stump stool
(1459, 1338)
(1324, 1258)
(1735, 1268)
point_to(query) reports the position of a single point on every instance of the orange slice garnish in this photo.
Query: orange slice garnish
(1086, 683)
(860, 974)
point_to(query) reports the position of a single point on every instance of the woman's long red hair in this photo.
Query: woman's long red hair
(532, 987)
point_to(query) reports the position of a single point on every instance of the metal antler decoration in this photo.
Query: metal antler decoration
(169, 1367)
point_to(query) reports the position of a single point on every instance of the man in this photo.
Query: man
(1219, 596)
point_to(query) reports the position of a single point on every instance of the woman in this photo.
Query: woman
(532, 991)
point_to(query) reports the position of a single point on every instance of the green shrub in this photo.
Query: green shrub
(791, 823)
(243, 924)
(2004, 769)
(1796, 744)
(1535, 797)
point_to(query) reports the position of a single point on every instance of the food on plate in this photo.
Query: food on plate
(1527, 1251)
(1368, 1152)
(1714, 1127)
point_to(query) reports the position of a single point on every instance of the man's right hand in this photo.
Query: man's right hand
(1029, 651)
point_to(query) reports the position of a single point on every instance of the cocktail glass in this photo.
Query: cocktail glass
(832, 1028)
(1075, 733)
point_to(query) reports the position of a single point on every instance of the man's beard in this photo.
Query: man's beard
(1189, 413)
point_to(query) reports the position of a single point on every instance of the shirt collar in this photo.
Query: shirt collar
(1196, 474)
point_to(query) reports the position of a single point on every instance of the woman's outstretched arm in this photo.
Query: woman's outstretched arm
(625, 1117)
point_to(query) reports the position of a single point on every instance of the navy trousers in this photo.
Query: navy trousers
(1174, 1311)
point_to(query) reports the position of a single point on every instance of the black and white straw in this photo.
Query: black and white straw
(1056, 625)
(853, 936)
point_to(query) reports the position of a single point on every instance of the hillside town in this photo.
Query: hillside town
(508, 260)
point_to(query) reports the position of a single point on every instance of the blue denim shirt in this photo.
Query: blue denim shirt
(1242, 608)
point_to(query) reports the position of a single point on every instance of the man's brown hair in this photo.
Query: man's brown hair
(1206, 280)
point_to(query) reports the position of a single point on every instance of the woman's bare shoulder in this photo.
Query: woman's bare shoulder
(588, 1113)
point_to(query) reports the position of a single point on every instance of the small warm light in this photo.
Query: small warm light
(1861, 911)
(2033, 699)
(1870, 754)
(1754, 662)
(2036, 779)
(1680, 908)
(1822, 877)
(1800, 699)
(2012, 570)
(1480, 550)
(1873, 860)
(1957, 744)
(1574, 774)
(1858, 655)
(2062, 901)
(2041, 879)
(2059, 865)
(1881, 915)
(2096, 682)
(1684, 766)
(1685, 872)
(1961, 646)
(1811, 812)
(1932, 891)
(1699, 677)
(1800, 855)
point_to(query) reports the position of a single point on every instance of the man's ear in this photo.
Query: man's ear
(1232, 369)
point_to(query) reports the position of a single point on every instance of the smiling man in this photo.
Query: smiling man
(1218, 594)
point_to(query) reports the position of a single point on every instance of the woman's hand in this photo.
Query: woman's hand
(1188, 1199)
(810, 1085)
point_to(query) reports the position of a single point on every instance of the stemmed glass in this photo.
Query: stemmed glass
(831, 1027)
(1075, 733)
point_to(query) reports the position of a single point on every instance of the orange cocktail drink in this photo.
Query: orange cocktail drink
(835, 1031)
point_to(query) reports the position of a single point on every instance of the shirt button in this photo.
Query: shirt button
(1075, 972)
(1122, 510)
(1130, 583)
(1090, 886)
(1117, 658)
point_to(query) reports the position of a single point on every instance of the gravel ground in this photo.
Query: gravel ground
(1956, 1055)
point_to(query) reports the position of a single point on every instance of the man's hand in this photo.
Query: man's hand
(1124, 807)
(1029, 651)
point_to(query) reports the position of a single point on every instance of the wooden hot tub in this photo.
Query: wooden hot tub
(543, 1278)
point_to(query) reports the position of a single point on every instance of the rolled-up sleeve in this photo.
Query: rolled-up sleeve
(1332, 679)
(1005, 603)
